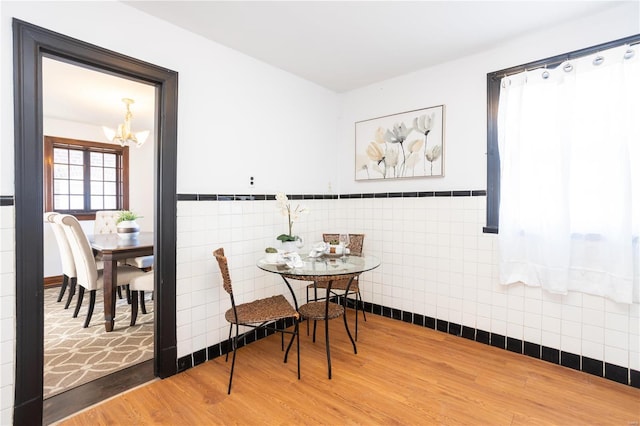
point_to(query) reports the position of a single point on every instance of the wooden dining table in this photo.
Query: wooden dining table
(111, 248)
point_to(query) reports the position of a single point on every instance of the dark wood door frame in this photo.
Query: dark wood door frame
(31, 43)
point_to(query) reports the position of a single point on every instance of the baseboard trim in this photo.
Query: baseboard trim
(53, 281)
(616, 373)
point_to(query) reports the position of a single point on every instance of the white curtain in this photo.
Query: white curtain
(569, 141)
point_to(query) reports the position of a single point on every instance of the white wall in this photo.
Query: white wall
(456, 277)
(7, 312)
(436, 260)
(240, 118)
(237, 117)
(461, 86)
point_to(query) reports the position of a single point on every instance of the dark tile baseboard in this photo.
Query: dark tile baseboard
(599, 368)
(265, 197)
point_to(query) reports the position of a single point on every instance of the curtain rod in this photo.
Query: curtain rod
(553, 61)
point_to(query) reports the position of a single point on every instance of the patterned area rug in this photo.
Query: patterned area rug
(74, 355)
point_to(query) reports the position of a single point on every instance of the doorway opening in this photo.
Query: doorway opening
(85, 172)
(31, 44)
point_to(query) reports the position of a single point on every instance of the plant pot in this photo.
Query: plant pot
(271, 257)
(335, 249)
(288, 246)
(128, 229)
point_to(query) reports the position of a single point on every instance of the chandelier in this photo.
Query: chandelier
(124, 135)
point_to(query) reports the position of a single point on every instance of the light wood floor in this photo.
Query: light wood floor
(402, 375)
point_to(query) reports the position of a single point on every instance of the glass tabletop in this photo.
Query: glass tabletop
(324, 266)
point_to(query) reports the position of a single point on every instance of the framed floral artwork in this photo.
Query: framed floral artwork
(403, 145)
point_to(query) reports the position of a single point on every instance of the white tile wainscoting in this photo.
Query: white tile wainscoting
(7, 309)
(438, 270)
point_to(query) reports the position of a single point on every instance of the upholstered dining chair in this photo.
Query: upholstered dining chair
(68, 265)
(138, 286)
(88, 275)
(106, 223)
(268, 313)
(339, 287)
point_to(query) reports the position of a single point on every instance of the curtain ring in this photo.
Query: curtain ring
(545, 74)
(598, 60)
(567, 67)
(629, 54)
(506, 82)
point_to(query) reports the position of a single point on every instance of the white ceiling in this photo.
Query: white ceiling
(344, 45)
(74, 93)
(339, 45)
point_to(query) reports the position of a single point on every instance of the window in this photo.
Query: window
(493, 96)
(564, 164)
(82, 177)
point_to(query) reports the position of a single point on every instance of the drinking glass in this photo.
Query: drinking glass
(344, 240)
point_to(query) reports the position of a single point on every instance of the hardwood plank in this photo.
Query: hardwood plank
(402, 374)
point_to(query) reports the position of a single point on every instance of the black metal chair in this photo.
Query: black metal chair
(269, 313)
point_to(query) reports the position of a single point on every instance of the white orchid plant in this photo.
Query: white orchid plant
(292, 215)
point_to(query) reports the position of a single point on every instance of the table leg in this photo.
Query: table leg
(346, 324)
(326, 328)
(108, 280)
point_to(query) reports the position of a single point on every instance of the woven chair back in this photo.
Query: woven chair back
(224, 269)
(356, 241)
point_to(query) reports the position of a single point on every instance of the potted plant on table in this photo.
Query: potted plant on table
(271, 255)
(335, 247)
(289, 241)
(126, 224)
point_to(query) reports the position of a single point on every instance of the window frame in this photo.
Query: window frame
(51, 142)
(493, 98)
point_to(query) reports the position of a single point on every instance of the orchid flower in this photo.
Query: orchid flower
(291, 214)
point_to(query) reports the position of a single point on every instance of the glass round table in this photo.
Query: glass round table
(328, 269)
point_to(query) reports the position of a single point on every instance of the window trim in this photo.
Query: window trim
(493, 97)
(51, 141)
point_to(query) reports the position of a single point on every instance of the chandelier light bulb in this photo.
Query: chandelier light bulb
(123, 135)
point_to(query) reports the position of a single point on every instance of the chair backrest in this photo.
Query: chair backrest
(106, 222)
(82, 254)
(224, 270)
(66, 256)
(356, 241)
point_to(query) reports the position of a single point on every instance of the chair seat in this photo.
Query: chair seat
(337, 285)
(142, 262)
(316, 310)
(124, 275)
(142, 283)
(261, 310)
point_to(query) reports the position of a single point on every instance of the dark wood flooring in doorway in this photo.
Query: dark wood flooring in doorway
(74, 400)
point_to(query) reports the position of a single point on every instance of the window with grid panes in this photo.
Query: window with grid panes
(82, 177)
